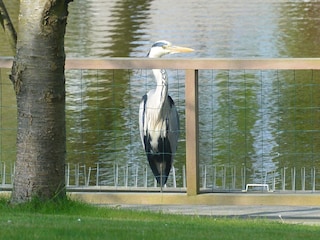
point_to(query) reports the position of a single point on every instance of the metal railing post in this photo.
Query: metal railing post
(313, 179)
(303, 179)
(68, 175)
(293, 178)
(174, 180)
(97, 176)
(192, 132)
(4, 174)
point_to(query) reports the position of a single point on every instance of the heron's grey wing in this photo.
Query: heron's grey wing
(173, 126)
(142, 112)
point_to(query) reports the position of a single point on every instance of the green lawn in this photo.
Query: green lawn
(74, 220)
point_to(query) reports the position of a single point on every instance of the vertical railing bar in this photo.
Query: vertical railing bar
(13, 172)
(68, 175)
(243, 177)
(234, 177)
(145, 176)
(303, 179)
(1, 171)
(192, 137)
(4, 174)
(313, 177)
(97, 176)
(274, 181)
(283, 179)
(184, 176)
(126, 175)
(204, 180)
(214, 184)
(293, 178)
(76, 170)
(84, 173)
(154, 183)
(136, 175)
(174, 177)
(116, 175)
(224, 176)
(88, 178)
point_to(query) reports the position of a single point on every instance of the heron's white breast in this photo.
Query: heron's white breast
(156, 121)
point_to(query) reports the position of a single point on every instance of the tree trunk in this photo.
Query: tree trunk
(39, 82)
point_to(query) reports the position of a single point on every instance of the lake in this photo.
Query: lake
(259, 121)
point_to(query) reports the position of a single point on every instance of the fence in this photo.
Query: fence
(279, 146)
(135, 177)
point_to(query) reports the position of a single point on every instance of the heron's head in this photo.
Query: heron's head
(163, 47)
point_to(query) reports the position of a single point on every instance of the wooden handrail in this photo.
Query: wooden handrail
(182, 63)
(199, 63)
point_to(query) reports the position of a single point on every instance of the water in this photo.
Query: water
(263, 120)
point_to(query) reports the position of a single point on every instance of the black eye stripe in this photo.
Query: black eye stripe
(159, 44)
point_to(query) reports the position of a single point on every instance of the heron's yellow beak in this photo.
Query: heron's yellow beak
(178, 49)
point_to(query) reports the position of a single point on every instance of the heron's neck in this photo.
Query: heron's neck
(162, 84)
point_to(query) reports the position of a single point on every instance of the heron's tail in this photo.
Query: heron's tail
(160, 166)
(161, 179)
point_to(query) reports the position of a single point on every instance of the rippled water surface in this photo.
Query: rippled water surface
(262, 120)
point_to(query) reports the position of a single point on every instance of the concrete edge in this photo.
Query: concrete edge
(201, 199)
(133, 198)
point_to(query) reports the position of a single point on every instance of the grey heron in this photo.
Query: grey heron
(159, 119)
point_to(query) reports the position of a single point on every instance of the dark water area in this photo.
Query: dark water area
(258, 120)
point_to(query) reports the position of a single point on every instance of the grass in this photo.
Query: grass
(75, 220)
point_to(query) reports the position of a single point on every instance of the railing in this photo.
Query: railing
(136, 177)
(191, 67)
(191, 88)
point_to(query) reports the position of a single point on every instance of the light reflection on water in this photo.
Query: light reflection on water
(261, 119)
(240, 118)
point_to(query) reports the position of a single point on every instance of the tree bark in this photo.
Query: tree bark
(39, 83)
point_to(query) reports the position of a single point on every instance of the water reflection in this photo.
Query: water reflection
(238, 123)
(99, 102)
(107, 28)
(260, 120)
(127, 24)
(299, 29)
